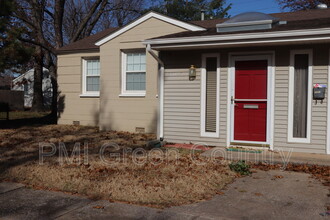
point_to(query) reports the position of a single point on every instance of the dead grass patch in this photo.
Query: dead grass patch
(174, 182)
(156, 182)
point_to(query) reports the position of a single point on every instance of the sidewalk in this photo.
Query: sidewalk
(19, 202)
(264, 195)
(269, 156)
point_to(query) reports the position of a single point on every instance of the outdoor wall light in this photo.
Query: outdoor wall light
(192, 73)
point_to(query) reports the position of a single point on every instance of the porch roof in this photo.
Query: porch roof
(306, 23)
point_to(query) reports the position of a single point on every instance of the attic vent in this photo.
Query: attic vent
(248, 21)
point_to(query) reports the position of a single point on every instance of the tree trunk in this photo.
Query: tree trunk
(50, 63)
(38, 99)
(58, 22)
(53, 74)
(37, 15)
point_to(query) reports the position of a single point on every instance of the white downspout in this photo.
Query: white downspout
(160, 92)
(155, 55)
(328, 111)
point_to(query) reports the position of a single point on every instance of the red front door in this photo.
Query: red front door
(250, 101)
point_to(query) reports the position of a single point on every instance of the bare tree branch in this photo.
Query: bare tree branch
(36, 43)
(49, 13)
(84, 22)
(58, 22)
(96, 18)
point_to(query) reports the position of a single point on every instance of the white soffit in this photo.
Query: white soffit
(145, 17)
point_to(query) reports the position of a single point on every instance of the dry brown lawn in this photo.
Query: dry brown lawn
(158, 178)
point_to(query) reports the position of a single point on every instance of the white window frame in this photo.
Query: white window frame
(130, 93)
(205, 133)
(86, 93)
(292, 139)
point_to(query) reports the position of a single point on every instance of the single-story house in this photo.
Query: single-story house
(252, 80)
(25, 83)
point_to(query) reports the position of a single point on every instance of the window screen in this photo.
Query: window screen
(300, 95)
(211, 94)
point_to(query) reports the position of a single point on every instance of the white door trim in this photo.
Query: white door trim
(270, 57)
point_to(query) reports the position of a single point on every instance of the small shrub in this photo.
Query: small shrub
(240, 167)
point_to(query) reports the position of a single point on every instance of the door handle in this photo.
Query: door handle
(233, 101)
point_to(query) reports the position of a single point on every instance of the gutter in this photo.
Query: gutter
(241, 43)
(73, 51)
(161, 92)
(246, 36)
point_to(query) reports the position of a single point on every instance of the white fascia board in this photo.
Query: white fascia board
(19, 78)
(27, 73)
(247, 36)
(242, 42)
(147, 16)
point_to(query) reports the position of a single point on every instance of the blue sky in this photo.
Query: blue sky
(240, 6)
(265, 6)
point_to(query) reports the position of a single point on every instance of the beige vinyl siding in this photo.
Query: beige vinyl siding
(182, 110)
(128, 113)
(72, 107)
(319, 111)
(182, 98)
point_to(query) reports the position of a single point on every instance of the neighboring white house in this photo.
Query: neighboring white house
(25, 83)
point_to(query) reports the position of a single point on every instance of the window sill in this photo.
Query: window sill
(210, 134)
(89, 96)
(132, 95)
(299, 140)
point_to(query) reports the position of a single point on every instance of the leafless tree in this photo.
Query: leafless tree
(296, 5)
(126, 10)
(112, 13)
(50, 24)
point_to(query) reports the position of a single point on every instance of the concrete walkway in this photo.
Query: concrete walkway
(264, 195)
(270, 156)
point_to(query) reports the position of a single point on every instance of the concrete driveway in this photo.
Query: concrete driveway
(264, 195)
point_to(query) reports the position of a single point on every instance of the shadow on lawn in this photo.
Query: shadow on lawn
(33, 121)
(20, 145)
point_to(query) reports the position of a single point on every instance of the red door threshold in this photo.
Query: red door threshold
(188, 146)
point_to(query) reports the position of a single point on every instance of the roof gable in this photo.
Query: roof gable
(187, 26)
